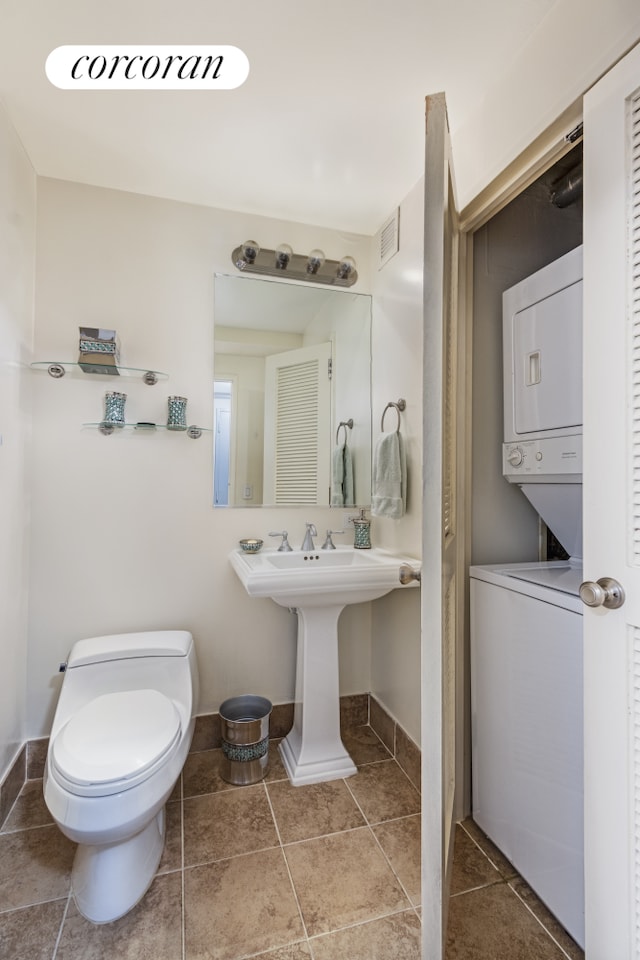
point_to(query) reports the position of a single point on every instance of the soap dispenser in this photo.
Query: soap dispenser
(362, 538)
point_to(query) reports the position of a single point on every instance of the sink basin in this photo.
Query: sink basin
(318, 578)
(317, 585)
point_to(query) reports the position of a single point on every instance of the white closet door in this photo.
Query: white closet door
(297, 453)
(612, 511)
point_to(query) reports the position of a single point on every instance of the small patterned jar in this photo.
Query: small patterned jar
(362, 538)
(177, 414)
(114, 408)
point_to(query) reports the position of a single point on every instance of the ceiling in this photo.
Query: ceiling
(327, 129)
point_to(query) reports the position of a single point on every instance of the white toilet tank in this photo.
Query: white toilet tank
(124, 646)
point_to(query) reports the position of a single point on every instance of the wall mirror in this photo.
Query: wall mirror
(292, 394)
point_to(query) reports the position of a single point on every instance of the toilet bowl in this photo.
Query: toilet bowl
(120, 736)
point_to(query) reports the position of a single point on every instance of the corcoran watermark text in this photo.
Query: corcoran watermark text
(112, 67)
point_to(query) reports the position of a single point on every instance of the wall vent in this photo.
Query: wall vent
(389, 238)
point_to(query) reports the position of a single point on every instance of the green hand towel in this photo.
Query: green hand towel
(342, 477)
(389, 480)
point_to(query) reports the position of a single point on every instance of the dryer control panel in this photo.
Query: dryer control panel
(549, 459)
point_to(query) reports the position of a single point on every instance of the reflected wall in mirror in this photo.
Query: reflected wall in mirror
(292, 363)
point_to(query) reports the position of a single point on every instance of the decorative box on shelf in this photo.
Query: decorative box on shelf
(99, 351)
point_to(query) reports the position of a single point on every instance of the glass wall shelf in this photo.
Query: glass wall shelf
(58, 369)
(193, 432)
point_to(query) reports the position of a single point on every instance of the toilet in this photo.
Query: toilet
(120, 737)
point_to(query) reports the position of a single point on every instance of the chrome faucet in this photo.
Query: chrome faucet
(310, 533)
(329, 544)
(285, 546)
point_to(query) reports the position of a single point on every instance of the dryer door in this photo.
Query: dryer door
(542, 352)
(547, 360)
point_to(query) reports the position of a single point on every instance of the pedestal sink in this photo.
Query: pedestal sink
(317, 585)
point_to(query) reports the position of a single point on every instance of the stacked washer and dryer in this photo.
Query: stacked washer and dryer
(526, 618)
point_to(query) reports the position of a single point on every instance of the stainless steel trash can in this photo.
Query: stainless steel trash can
(244, 723)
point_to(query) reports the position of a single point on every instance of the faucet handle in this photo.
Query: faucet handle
(329, 544)
(309, 534)
(285, 546)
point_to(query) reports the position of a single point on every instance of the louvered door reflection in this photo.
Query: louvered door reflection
(297, 426)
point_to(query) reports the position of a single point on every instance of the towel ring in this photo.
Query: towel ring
(400, 405)
(345, 424)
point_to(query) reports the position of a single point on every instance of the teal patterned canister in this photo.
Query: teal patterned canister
(177, 414)
(114, 408)
(362, 539)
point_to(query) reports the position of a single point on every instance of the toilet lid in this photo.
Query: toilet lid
(117, 736)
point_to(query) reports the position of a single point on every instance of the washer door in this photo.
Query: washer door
(115, 742)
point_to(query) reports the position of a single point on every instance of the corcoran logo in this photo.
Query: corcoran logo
(112, 67)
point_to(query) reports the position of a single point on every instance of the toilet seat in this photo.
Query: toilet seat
(115, 742)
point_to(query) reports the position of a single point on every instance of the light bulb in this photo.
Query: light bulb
(283, 255)
(345, 267)
(250, 250)
(315, 261)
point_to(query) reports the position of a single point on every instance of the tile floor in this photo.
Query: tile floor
(325, 872)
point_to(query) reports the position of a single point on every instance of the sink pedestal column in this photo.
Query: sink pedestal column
(313, 751)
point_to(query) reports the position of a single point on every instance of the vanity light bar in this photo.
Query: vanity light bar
(250, 258)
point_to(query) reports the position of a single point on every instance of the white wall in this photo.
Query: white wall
(17, 250)
(572, 47)
(397, 372)
(124, 534)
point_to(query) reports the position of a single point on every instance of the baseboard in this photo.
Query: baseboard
(355, 709)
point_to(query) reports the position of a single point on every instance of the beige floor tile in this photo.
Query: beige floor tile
(496, 856)
(275, 768)
(37, 758)
(294, 951)
(35, 865)
(400, 840)
(397, 937)
(471, 867)
(31, 933)
(363, 745)
(151, 931)
(221, 825)
(172, 854)
(176, 793)
(29, 810)
(240, 907)
(492, 924)
(201, 774)
(206, 735)
(384, 792)
(313, 811)
(547, 919)
(343, 879)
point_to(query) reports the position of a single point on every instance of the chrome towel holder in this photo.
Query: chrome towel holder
(345, 424)
(398, 405)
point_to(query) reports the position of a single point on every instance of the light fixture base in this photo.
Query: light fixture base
(296, 269)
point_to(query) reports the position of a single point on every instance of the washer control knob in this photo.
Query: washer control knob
(515, 457)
